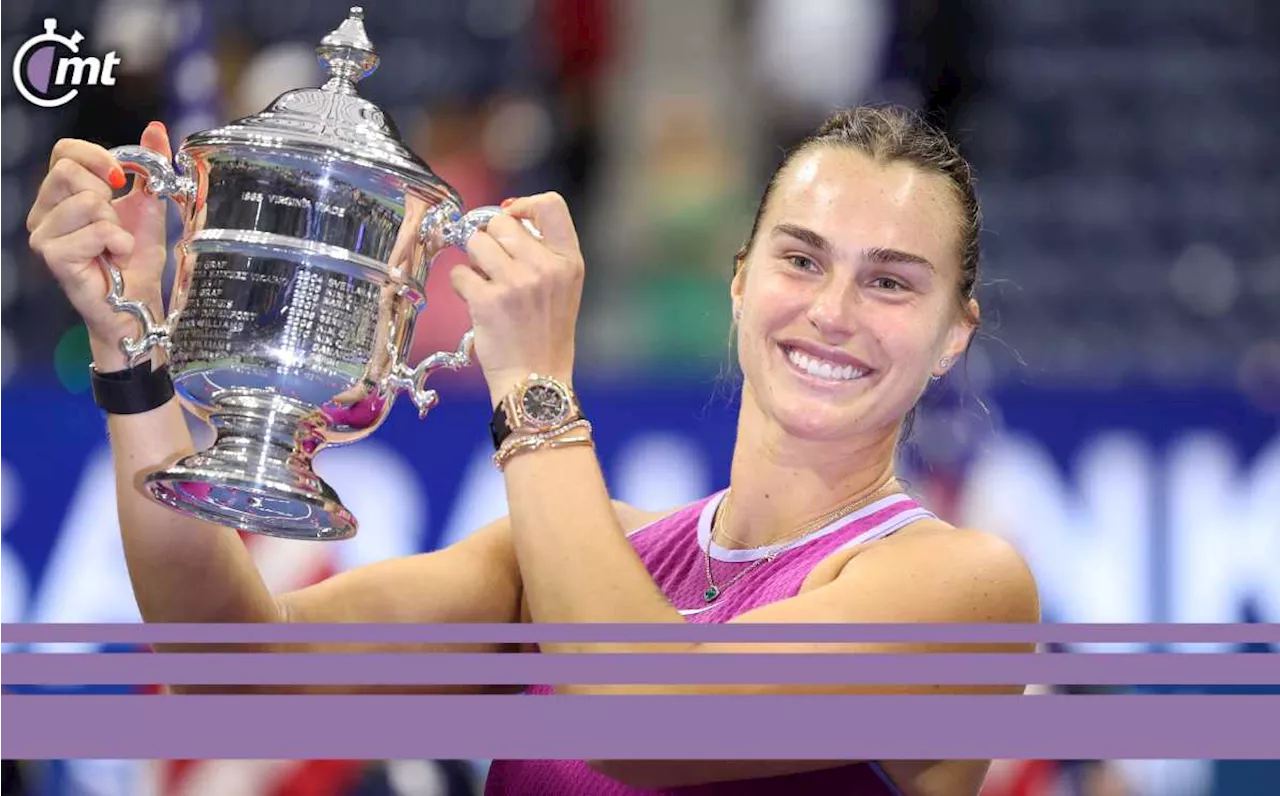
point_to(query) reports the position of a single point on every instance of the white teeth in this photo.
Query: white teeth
(821, 369)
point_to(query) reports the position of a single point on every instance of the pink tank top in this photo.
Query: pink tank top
(672, 549)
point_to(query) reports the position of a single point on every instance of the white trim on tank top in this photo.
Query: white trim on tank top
(720, 553)
(894, 523)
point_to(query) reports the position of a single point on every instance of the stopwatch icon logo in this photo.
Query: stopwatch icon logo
(46, 75)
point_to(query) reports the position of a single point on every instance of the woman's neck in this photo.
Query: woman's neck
(778, 482)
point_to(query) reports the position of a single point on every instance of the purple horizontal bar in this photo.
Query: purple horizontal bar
(601, 727)
(626, 668)
(602, 633)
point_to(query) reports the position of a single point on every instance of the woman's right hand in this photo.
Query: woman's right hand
(74, 220)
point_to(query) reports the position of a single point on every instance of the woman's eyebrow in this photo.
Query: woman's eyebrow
(884, 256)
(875, 254)
(804, 235)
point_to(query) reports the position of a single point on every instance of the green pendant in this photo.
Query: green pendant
(711, 594)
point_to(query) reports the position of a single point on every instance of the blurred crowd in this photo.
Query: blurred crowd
(1125, 153)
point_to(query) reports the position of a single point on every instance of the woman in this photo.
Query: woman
(855, 288)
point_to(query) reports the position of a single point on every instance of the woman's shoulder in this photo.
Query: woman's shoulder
(934, 539)
(952, 559)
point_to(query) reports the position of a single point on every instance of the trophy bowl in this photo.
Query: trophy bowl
(308, 232)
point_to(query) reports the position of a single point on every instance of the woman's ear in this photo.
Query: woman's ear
(959, 337)
(737, 285)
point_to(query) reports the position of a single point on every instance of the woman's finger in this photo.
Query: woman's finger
(156, 138)
(76, 211)
(69, 255)
(96, 159)
(520, 244)
(489, 257)
(469, 285)
(66, 178)
(549, 213)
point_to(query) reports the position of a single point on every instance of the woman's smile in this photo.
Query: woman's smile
(825, 372)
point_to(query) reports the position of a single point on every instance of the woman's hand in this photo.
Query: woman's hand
(523, 293)
(74, 219)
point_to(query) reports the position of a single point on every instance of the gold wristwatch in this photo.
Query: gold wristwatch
(538, 404)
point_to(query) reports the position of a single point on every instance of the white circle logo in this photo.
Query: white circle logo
(48, 68)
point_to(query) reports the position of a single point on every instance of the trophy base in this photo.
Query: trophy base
(257, 475)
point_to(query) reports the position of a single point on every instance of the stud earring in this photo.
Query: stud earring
(943, 363)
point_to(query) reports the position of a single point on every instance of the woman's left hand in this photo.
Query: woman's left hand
(523, 293)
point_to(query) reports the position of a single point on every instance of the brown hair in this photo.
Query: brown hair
(888, 134)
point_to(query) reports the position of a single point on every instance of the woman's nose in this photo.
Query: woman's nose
(834, 310)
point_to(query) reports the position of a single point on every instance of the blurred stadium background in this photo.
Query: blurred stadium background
(1117, 419)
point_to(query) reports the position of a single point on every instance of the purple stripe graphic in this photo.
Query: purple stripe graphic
(684, 632)
(515, 669)
(905, 727)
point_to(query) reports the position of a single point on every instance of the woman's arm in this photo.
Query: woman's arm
(473, 580)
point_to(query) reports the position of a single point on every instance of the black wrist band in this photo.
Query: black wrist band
(499, 429)
(133, 390)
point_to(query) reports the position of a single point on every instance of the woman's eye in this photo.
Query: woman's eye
(803, 263)
(888, 283)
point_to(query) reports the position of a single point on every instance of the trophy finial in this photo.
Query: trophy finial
(347, 54)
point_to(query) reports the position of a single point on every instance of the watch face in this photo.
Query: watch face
(544, 405)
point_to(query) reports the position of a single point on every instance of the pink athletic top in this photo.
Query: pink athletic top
(672, 548)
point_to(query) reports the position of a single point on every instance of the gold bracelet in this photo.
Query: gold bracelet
(525, 441)
(500, 460)
(516, 444)
(520, 440)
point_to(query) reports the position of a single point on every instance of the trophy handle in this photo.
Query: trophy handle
(162, 181)
(413, 380)
(446, 225)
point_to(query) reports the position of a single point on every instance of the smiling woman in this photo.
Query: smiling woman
(855, 288)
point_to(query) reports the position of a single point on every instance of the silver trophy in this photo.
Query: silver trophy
(308, 232)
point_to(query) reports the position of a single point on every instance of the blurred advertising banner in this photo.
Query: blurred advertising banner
(1131, 506)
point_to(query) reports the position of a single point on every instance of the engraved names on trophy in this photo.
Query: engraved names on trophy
(221, 304)
(329, 319)
(346, 316)
(299, 328)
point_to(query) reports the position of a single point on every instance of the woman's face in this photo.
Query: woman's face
(847, 299)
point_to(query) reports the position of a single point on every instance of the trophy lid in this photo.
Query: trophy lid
(332, 120)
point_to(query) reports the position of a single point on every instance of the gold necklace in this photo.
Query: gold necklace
(779, 546)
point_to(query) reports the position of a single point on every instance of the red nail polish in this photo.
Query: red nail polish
(116, 178)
